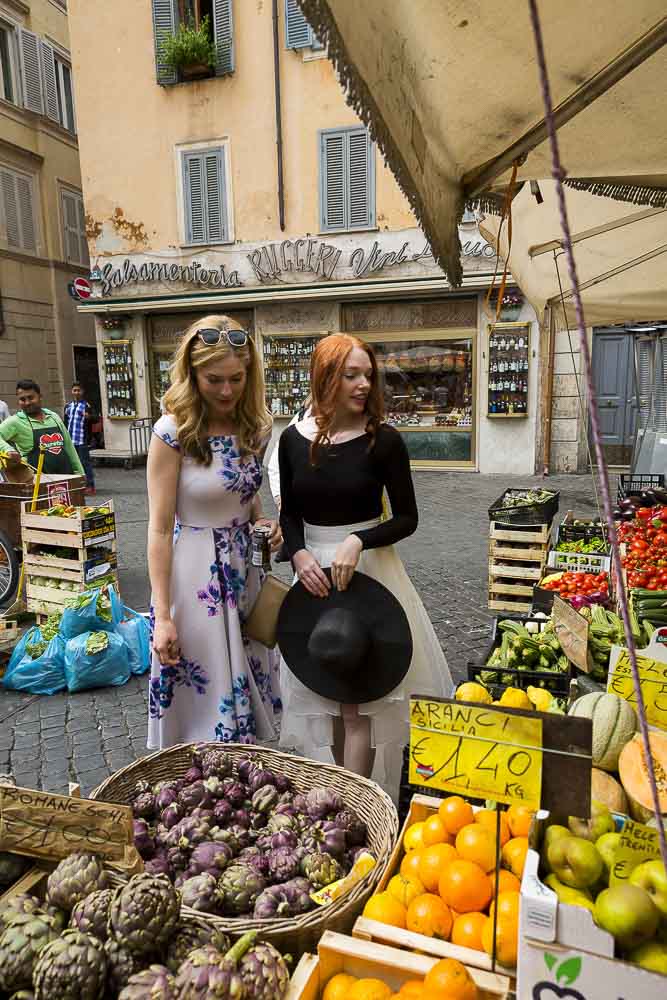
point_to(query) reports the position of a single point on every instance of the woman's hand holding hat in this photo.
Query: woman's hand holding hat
(311, 574)
(345, 561)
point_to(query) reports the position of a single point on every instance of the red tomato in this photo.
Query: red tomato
(639, 545)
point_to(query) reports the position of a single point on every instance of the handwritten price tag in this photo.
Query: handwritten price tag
(476, 750)
(653, 681)
(638, 843)
(42, 825)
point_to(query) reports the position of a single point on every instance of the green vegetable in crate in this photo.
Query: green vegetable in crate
(97, 642)
(525, 498)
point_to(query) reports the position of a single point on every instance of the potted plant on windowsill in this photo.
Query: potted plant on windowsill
(510, 306)
(190, 50)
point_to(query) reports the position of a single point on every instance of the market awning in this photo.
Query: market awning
(620, 252)
(450, 91)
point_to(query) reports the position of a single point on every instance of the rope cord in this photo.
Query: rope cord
(558, 174)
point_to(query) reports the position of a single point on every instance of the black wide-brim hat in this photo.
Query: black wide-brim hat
(352, 646)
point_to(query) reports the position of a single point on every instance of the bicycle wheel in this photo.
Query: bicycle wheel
(9, 569)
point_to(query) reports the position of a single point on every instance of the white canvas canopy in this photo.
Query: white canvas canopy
(450, 91)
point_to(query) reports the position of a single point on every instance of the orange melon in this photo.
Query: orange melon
(634, 775)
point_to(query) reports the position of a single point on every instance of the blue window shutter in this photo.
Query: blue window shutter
(298, 33)
(223, 33)
(48, 60)
(165, 22)
(195, 194)
(204, 192)
(333, 195)
(361, 177)
(33, 98)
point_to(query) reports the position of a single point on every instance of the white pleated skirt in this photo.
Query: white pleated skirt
(307, 721)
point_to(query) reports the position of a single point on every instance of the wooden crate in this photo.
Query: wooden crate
(69, 532)
(32, 882)
(366, 959)
(49, 601)
(81, 568)
(516, 563)
(9, 633)
(13, 493)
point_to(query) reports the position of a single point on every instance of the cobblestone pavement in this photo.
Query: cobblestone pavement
(48, 741)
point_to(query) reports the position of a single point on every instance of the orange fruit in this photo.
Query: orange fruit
(467, 931)
(514, 855)
(405, 888)
(475, 842)
(465, 886)
(413, 837)
(429, 914)
(433, 862)
(507, 940)
(455, 813)
(410, 864)
(338, 987)
(386, 909)
(411, 990)
(435, 832)
(508, 906)
(449, 978)
(369, 989)
(507, 882)
(487, 818)
(519, 819)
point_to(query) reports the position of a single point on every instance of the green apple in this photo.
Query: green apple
(651, 955)
(607, 846)
(575, 862)
(573, 897)
(651, 876)
(551, 835)
(601, 822)
(628, 913)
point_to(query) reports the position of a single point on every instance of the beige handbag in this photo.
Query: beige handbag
(262, 622)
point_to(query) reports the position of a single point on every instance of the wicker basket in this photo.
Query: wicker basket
(297, 934)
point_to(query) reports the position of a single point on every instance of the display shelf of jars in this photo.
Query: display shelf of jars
(287, 372)
(509, 352)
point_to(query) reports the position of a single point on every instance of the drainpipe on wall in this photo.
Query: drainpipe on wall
(279, 125)
(549, 396)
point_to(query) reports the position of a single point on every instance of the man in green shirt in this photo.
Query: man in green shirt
(33, 429)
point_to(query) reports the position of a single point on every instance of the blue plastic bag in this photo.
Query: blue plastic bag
(76, 621)
(43, 675)
(83, 670)
(136, 633)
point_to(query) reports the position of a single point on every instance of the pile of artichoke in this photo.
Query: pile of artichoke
(238, 840)
(86, 941)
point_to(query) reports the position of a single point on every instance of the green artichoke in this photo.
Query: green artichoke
(73, 967)
(239, 886)
(321, 869)
(21, 903)
(190, 936)
(144, 913)
(75, 878)
(90, 916)
(122, 964)
(264, 972)
(20, 945)
(208, 973)
(154, 983)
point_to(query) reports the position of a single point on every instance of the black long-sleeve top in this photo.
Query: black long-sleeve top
(345, 487)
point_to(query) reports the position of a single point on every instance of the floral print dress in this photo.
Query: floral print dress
(225, 686)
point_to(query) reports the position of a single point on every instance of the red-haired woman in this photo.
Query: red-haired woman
(335, 464)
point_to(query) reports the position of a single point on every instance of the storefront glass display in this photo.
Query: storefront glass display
(119, 378)
(508, 370)
(287, 372)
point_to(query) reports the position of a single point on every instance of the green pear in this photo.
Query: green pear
(651, 876)
(601, 822)
(551, 835)
(573, 897)
(575, 862)
(606, 846)
(628, 913)
(651, 955)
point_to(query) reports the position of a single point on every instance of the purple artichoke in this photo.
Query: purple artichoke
(235, 792)
(239, 887)
(242, 835)
(259, 778)
(280, 821)
(143, 838)
(90, 915)
(201, 893)
(244, 768)
(193, 774)
(171, 814)
(300, 803)
(214, 787)
(190, 935)
(143, 806)
(264, 972)
(298, 892)
(326, 837)
(220, 836)
(167, 794)
(195, 796)
(154, 983)
(197, 752)
(355, 828)
(283, 864)
(178, 859)
(240, 817)
(259, 860)
(216, 764)
(141, 787)
(188, 832)
(284, 809)
(287, 900)
(321, 869)
(159, 865)
(323, 802)
(210, 857)
(283, 784)
(265, 798)
(74, 878)
(284, 838)
(222, 813)
(122, 964)
(206, 972)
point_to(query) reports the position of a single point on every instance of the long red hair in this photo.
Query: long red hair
(327, 364)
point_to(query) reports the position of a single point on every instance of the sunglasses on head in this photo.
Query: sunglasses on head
(211, 337)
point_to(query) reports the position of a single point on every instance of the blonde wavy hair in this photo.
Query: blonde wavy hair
(184, 401)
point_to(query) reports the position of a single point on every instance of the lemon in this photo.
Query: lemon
(470, 691)
(412, 840)
(515, 698)
(540, 698)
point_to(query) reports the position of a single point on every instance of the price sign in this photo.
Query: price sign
(42, 825)
(652, 679)
(476, 750)
(572, 631)
(637, 843)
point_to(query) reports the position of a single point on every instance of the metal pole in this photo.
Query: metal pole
(279, 124)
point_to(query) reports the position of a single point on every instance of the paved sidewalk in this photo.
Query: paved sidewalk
(84, 737)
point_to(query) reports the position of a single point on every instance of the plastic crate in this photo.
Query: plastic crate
(585, 531)
(537, 513)
(630, 483)
(558, 684)
(578, 562)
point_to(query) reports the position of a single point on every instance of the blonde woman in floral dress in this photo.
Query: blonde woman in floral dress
(208, 681)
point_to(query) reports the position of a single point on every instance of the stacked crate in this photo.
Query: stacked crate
(90, 540)
(517, 558)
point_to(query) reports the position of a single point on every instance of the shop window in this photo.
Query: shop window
(18, 210)
(205, 196)
(347, 180)
(169, 15)
(298, 33)
(74, 228)
(9, 78)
